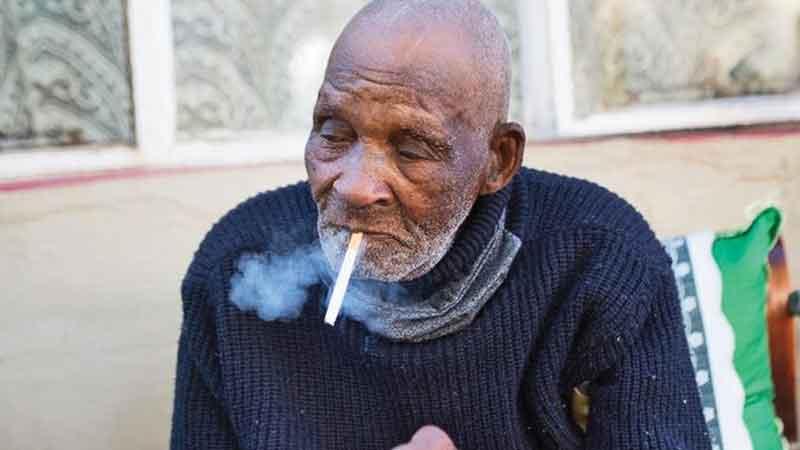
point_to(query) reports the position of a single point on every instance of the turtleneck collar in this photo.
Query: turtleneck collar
(470, 241)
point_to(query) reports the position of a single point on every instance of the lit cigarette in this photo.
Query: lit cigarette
(343, 279)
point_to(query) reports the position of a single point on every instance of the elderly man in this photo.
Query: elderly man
(485, 294)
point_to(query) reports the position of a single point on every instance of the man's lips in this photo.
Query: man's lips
(370, 233)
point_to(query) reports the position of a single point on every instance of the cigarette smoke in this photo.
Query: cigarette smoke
(276, 287)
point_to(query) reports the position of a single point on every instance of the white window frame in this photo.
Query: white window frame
(551, 105)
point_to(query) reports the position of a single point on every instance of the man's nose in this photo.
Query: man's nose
(360, 183)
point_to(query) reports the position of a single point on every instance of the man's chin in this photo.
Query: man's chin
(383, 258)
(385, 261)
(393, 275)
(388, 270)
(384, 266)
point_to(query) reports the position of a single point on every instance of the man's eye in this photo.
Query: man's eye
(411, 154)
(335, 138)
(414, 150)
(412, 147)
(335, 131)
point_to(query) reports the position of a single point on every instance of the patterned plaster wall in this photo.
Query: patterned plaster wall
(64, 73)
(256, 65)
(628, 52)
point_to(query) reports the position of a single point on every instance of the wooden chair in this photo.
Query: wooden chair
(783, 306)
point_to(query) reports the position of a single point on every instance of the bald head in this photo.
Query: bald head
(453, 48)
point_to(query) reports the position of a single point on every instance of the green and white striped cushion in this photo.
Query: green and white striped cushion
(722, 283)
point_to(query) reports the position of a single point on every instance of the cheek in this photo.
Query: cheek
(438, 193)
(321, 174)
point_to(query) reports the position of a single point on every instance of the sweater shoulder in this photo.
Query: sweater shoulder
(276, 220)
(262, 221)
(565, 204)
(617, 271)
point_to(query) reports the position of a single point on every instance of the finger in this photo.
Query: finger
(406, 447)
(432, 438)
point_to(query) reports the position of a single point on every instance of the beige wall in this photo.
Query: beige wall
(691, 183)
(90, 273)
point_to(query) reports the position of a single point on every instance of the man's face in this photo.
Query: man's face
(394, 153)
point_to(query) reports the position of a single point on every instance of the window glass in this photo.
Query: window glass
(64, 73)
(257, 65)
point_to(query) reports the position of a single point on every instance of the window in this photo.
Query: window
(621, 66)
(234, 81)
(64, 77)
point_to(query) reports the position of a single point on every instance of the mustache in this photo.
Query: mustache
(370, 220)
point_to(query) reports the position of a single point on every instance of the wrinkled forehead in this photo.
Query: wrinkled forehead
(432, 67)
(378, 106)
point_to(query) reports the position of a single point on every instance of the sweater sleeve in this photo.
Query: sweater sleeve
(198, 419)
(649, 399)
(202, 417)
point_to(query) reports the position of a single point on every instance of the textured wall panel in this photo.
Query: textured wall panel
(64, 73)
(628, 52)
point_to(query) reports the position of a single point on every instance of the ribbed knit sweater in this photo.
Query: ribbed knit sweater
(589, 300)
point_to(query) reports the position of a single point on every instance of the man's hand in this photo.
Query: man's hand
(429, 438)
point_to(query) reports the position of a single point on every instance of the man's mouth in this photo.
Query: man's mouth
(371, 234)
(357, 228)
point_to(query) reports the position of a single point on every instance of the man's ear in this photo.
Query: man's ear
(505, 156)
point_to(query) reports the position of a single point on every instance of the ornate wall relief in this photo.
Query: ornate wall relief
(257, 65)
(64, 73)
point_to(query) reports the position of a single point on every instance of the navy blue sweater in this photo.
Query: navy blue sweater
(590, 298)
